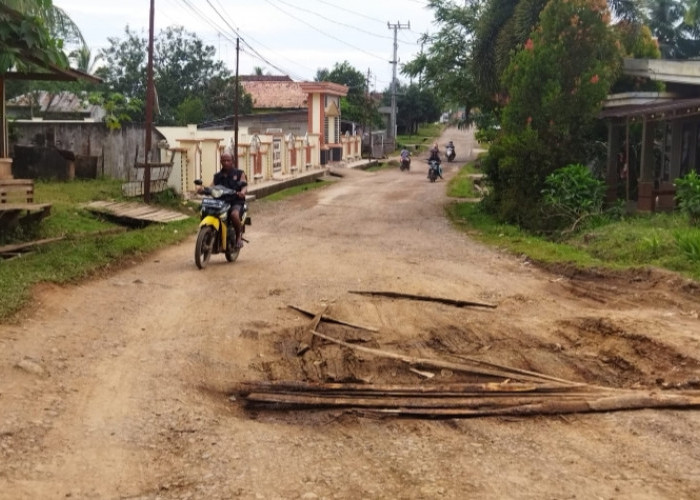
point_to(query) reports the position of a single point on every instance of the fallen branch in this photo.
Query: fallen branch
(502, 372)
(427, 298)
(330, 319)
(444, 389)
(474, 401)
(22, 246)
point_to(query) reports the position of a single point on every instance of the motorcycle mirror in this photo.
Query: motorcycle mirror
(198, 182)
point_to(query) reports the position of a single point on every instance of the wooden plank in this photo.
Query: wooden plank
(135, 211)
(329, 319)
(7, 207)
(17, 249)
(477, 368)
(451, 302)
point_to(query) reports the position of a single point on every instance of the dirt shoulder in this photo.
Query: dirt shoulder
(119, 387)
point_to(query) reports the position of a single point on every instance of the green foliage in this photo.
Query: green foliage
(183, 66)
(119, 110)
(549, 119)
(517, 165)
(561, 101)
(356, 106)
(462, 184)
(422, 139)
(688, 196)
(637, 42)
(191, 110)
(446, 64)
(689, 243)
(415, 107)
(487, 126)
(571, 194)
(631, 242)
(28, 30)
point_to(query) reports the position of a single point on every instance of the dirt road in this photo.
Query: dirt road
(119, 387)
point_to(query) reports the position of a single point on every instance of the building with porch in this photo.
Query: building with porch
(653, 137)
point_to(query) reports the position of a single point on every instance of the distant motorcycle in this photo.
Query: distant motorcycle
(405, 163)
(215, 233)
(433, 170)
(450, 153)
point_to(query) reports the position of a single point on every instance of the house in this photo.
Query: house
(63, 105)
(296, 127)
(653, 138)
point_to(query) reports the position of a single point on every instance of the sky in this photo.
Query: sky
(283, 37)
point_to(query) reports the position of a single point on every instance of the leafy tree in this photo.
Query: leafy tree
(183, 67)
(24, 26)
(414, 107)
(505, 26)
(674, 23)
(552, 107)
(446, 64)
(356, 106)
(191, 110)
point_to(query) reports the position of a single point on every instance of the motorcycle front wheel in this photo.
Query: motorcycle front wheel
(204, 246)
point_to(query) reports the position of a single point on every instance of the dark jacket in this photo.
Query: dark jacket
(230, 179)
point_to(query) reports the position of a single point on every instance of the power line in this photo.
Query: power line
(354, 12)
(324, 33)
(243, 40)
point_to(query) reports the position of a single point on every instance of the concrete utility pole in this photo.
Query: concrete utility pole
(396, 27)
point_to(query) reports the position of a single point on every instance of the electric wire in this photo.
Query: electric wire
(324, 33)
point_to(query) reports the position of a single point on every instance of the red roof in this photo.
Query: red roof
(274, 92)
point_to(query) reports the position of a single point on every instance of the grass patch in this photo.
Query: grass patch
(664, 240)
(635, 242)
(90, 243)
(462, 184)
(421, 141)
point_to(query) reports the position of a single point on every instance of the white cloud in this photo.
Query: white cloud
(297, 36)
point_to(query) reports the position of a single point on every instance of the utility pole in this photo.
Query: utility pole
(396, 27)
(235, 113)
(368, 113)
(149, 110)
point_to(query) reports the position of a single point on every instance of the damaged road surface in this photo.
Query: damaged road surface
(162, 381)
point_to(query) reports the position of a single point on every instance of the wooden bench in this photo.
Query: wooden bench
(17, 203)
(16, 191)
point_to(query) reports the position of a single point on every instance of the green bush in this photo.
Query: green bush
(688, 196)
(689, 244)
(570, 195)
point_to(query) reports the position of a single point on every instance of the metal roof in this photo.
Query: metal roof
(666, 110)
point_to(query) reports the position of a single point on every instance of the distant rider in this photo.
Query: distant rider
(435, 156)
(405, 156)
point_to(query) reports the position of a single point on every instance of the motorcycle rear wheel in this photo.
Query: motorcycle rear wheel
(204, 246)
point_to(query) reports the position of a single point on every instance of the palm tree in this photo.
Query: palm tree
(58, 23)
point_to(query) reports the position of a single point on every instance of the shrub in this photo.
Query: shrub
(572, 194)
(688, 196)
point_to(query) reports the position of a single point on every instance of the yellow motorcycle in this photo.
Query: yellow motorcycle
(216, 235)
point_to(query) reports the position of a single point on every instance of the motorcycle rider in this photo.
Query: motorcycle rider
(405, 156)
(435, 156)
(450, 151)
(232, 177)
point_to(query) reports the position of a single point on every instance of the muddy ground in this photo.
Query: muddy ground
(121, 387)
